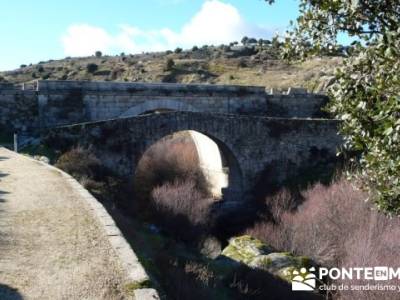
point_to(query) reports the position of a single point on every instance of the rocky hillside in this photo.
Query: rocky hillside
(242, 65)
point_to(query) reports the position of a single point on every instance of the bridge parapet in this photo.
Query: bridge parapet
(136, 88)
(53, 103)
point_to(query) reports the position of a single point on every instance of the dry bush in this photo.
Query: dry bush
(80, 163)
(182, 209)
(280, 203)
(84, 166)
(187, 279)
(337, 228)
(171, 189)
(171, 159)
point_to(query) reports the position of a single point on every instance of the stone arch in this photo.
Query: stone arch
(163, 104)
(218, 163)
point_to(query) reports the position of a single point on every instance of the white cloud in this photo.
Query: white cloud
(82, 39)
(215, 23)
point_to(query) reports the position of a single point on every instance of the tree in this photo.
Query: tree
(366, 93)
(169, 64)
(245, 40)
(98, 54)
(91, 68)
(252, 41)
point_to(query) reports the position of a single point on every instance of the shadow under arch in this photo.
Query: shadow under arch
(158, 105)
(216, 160)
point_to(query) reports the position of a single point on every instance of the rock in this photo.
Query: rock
(280, 263)
(273, 261)
(245, 248)
(211, 247)
(146, 294)
(42, 159)
(255, 254)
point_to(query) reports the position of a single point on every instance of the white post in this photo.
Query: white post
(15, 142)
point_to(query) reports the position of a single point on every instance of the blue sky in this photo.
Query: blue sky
(31, 31)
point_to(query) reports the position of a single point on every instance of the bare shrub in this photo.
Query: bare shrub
(337, 228)
(171, 159)
(280, 203)
(187, 279)
(182, 209)
(80, 163)
(90, 184)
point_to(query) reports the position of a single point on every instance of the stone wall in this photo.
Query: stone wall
(296, 103)
(108, 100)
(283, 147)
(66, 102)
(18, 108)
(54, 103)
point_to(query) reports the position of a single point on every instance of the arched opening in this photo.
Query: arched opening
(158, 105)
(190, 153)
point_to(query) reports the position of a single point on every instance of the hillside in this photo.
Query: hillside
(249, 65)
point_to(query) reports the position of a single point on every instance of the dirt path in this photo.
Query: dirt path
(51, 247)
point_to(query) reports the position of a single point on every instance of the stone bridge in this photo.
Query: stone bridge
(49, 103)
(241, 133)
(250, 145)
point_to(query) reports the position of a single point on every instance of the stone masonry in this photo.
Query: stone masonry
(53, 103)
(251, 144)
(257, 131)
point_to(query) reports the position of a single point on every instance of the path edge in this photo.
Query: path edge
(138, 279)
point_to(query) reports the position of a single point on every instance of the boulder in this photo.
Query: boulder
(42, 158)
(211, 247)
(273, 262)
(146, 294)
(255, 254)
(245, 248)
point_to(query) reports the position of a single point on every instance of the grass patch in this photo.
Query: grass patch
(129, 288)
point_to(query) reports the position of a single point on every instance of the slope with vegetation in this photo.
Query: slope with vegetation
(251, 64)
